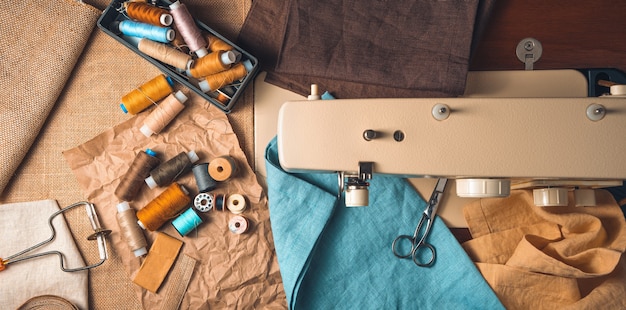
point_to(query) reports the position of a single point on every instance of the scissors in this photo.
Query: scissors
(418, 243)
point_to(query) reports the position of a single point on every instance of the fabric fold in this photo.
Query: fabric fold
(347, 261)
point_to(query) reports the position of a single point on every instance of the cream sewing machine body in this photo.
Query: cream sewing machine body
(542, 133)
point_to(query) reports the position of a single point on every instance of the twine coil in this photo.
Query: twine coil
(218, 80)
(147, 94)
(238, 225)
(204, 181)
(222, 168)
(163, 207)
(212, 63)
(186, 222)
(148, 13)
(165, 54)
(143, 30)
(163, 114)
(131, 232)
(139, 169)
(236, 203)
(170, 170)
(188, 29)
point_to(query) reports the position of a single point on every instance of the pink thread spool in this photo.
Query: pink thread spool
(188, 29)
(163, 114)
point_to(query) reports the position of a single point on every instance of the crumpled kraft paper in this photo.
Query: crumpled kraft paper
(233, 271)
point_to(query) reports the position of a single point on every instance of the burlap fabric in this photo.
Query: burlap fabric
(87, 104)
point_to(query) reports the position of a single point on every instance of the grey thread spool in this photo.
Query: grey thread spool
(204, 181)
(169, 171)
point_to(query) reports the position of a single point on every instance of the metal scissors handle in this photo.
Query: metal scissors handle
(418, 244)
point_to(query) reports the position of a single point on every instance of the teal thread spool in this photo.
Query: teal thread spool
(147, 31)
(186, 222)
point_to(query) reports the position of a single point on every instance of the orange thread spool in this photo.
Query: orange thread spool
(216, 81)
(147, 94)
(147, 13)
(212, 63)
(216, 44)
(163, 114)
(163, 207)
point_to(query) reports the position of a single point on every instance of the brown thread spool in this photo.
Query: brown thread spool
(216, 44)
(216, 81)
(164, 207)
(168, 171)
(222, 168)
(131, 232)
(212, 63)
(139, 169)
(164, 53)
(147, 13)
(147, 94)
(163, 114)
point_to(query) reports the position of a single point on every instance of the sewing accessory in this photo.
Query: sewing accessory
(158, 262)
(131, 232)
(147, 94)
(163, 114)
(165, 54)
(236, 203)
(51, 302)
(139, 169)
(204, 181)
(419, 243)
(188, 29)
(163, 207)
(204, 202)
(187, 221)
(99, 235)
(238, 225)
(216, 44)
(212, 63)
(216, 81)
(143, 30)
(219, 202)
(222, 168)
(147, 13)
(178, 281)
(170, 170)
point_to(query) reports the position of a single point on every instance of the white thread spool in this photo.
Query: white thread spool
(236, 203)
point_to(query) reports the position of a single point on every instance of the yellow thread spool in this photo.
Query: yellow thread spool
(147, 94)
(216, 44)
(212, 63)
(216, 81)
(164, 207)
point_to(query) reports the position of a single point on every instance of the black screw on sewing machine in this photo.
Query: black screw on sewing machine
(370, 134)
(398, 135)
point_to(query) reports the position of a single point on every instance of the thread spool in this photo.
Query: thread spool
(163, 114)
(178, 41)
(212, 63)
(219, 202)
(204, 181)
(165, 54)
(204, 202)
(170, 170)
(143, 30)
(216, 44)
(188, 29)
(147, 13)
(216, 81)
(238, 225)
(222, 168)
(163, 207)
(186, 222)
(147, 94)
(139, 169)
(236, 203)
(131, 232)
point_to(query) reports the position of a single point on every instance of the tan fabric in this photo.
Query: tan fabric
(87, 106)
(41, 42)
(550, 258)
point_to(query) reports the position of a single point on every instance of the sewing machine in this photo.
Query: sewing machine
(510, 130)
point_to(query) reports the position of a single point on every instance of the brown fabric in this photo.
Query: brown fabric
(37, 56)
(548, 258)
(361, 49)
(87, 106)
(234, 270)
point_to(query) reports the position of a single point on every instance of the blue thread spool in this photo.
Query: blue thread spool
(187, 222)
(143, 30)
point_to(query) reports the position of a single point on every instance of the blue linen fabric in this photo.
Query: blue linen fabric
(334, 257)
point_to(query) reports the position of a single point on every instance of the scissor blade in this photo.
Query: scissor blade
(435, 198)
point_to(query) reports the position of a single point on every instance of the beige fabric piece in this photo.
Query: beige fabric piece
(41, 42)
(24, 225)
(87, 106)
(552, 257)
